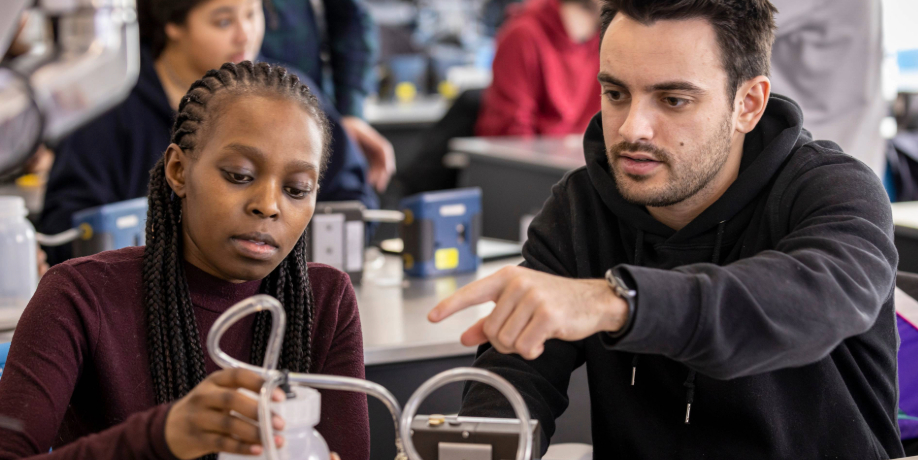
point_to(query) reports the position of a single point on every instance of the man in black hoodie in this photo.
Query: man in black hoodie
(747, 310)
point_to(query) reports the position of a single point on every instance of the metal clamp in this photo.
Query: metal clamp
(524, 451)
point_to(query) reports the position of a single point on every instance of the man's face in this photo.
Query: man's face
(669, 127)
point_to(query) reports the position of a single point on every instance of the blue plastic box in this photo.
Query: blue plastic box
(441, 231)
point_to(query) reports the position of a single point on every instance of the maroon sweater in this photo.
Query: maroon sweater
(78, 372)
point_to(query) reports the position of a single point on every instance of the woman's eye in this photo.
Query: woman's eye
(296, 192)
(238, 178)
(224, 23)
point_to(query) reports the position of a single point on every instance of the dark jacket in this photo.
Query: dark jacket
(771, 312)
(293, 35)
(110, 159)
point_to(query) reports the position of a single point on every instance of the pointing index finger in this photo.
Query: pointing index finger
(475, 293)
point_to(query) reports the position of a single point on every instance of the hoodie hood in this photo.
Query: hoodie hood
(779, 133)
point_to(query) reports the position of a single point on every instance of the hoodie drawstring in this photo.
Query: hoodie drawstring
(689, 394)
(690, 380)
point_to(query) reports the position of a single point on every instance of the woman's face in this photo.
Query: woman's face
(249, 189)
(219, 31)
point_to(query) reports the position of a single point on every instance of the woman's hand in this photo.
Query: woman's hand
(201, 423)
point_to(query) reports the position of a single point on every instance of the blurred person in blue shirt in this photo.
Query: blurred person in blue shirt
(293, 35)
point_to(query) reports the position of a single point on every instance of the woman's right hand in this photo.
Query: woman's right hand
(200, 423)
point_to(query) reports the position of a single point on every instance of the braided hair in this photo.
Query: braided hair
(173, 341)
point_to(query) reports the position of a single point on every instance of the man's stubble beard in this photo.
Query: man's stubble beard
(684, 182)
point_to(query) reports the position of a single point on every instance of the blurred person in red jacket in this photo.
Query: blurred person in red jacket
(545, 70)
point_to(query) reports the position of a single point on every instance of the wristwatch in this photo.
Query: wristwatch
(618, 285)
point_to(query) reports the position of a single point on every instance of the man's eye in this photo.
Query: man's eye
(674, 101)
(614, 95)
(224, 23)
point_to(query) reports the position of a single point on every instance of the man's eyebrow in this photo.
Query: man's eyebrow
(678, 85)
(607, 78)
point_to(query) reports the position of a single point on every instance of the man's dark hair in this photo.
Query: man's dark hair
(173, 341)
(745, 29)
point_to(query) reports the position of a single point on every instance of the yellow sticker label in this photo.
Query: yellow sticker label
(446, 258)
(407, 261)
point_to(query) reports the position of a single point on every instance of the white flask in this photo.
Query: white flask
(18, 260)
(301, 440)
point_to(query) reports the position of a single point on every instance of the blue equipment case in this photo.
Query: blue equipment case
(441, 231)
(111, 226)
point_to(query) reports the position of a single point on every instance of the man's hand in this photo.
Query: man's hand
(379, 152)
(201, 422)
(533, 307)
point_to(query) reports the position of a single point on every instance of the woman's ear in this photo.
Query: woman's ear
(752, 99)
(176, 164)
(173, 31)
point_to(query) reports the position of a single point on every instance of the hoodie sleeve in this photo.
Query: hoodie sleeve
(543, 382)
(825, 280)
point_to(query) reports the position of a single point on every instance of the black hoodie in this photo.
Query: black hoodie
(110, 159)
(771, 312)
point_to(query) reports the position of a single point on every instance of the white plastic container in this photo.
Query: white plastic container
(18, 260)
(301, 440)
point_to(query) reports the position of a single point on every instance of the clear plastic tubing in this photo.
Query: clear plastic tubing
(273, 377)
(523, 452)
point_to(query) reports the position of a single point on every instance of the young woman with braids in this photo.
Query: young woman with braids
(108, 160)
(108, 360)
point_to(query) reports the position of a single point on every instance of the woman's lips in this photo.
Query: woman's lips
(254, 249)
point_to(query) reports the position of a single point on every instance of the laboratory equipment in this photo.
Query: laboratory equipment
(336, 236)
(89, 64)
(111, 226)
(18, 260)
(441, 231)
(103, 228)
(403, 420)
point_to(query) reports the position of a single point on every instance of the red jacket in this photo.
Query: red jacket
(544, 82)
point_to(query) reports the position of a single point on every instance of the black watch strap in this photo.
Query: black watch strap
(616, 281)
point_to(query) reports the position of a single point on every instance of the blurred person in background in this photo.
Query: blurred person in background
(545, 67)
(294, 35)
(109, 159)
(827, 56)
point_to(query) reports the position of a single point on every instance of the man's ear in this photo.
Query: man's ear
(176, 165)
(751, 99)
